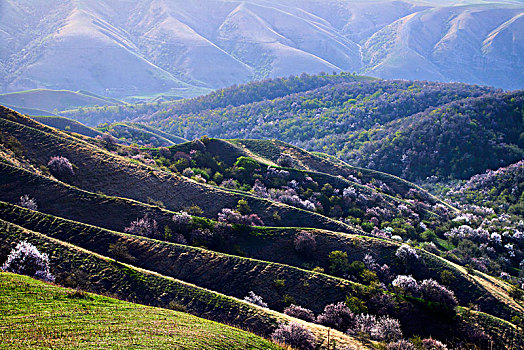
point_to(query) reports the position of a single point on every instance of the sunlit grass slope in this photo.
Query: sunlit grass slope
(36, 315)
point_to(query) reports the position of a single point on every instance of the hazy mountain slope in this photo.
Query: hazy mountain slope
(51, 100)
(268, 39)
(123, 48)
(95, 66)
(166, 38)
(465, 43)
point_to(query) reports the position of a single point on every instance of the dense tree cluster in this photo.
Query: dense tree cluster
(457, 140)
(501, 189)
(356, 120)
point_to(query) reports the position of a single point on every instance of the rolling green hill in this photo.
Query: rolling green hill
(76, 320)
(411, 129)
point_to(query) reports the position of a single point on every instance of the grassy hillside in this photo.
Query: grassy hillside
(77, 267)
(195, 265)
(68, 125)
(142, 135)
(212, 270)
(66, 318)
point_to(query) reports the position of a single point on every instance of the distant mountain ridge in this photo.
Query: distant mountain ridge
(121, 48)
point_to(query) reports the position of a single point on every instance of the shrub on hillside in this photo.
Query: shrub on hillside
(406, 285)
(338, 262)
(431, 290)
(145, 226)
(201, 236)
(383, 272)
(25, 259)
(188, 172)
(377, 328)
(337, 316)
(182, 221)
(401, 344)
(109, 139)
(60, 167)
(305, 243)
(300, 312)
(234, 217)
(255, 299)
(286, 160)
(294, 335)
(432, 344)
(386, 329)
(362, 325)
(28, 202)
(406, 254)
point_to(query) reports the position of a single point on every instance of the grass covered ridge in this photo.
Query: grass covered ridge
(39, 315)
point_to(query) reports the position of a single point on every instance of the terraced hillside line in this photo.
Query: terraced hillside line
(277, 245)
(173, 138)
(141, 134)
(231, 275)
(501, 332)
(494, 286)
(323, 163)
(60, 199)
(229, 151)
(68, 125)
(107, 276)
(35, 314)
(99, 170)
(116, 213)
